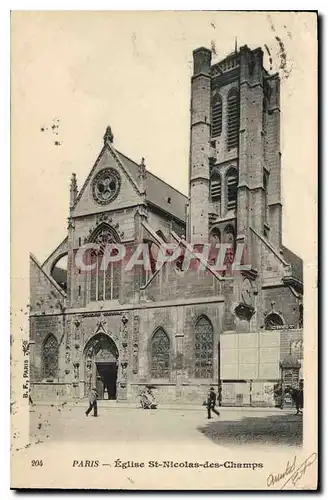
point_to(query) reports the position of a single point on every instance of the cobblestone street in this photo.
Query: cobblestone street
(117, 423)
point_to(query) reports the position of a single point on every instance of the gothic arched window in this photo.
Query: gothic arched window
(229, 237)
(215, 235)
(105, 276)
(203, 348)
(50, 357)
(216, 115)
(232, 188)
(216, 187)
(160, 355)
(273, 321)
(233, 119)
(215, 240)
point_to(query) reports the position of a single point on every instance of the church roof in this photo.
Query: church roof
(295, 261)
(158, 192)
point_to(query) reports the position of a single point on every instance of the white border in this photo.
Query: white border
(6, 6)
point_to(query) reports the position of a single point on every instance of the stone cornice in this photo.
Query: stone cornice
(200, 75)
(118, 310)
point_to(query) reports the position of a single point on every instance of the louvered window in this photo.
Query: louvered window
(232, 184)
(233, 120)
(216, 116)
(216, 188)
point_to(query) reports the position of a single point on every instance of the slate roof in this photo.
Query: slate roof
(158, 192)
(295, 261)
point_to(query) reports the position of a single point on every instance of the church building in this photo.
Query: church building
(179, 330)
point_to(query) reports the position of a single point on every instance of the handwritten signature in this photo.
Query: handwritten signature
(291, 474)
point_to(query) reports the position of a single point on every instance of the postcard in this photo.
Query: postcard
(164, 250)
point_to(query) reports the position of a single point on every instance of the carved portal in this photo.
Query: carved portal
(123, 367)
(101, 366)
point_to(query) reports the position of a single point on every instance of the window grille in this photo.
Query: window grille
(160, 355)
(50, 357)
(216, 188)
(203, 348)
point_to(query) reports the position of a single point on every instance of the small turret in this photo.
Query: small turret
(73, 191)
(142, 176)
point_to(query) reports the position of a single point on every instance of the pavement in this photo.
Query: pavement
(114, 404)
(117, 422)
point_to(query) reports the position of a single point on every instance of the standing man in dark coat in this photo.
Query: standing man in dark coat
(92, 402)
(299, 399)
(211, 402)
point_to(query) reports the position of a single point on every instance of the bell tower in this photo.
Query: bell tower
(234, 170)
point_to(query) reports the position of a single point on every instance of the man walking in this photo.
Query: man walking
(92, 402)
(211, 402)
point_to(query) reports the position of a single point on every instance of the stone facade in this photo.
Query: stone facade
(179, 331)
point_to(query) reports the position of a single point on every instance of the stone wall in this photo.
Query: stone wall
(53, 392)
(40, 327)
(45, 295)
(280, 299)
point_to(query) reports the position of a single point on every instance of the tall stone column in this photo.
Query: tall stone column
(71, 230)
(200, 132)
(251, 196)
(273, 155)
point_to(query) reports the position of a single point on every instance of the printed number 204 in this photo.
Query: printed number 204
(37, 463)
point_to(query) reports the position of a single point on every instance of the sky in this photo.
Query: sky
(74, 73)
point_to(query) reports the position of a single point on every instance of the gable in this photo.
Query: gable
(128, 194)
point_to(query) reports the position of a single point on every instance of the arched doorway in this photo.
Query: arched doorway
(100, 366)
